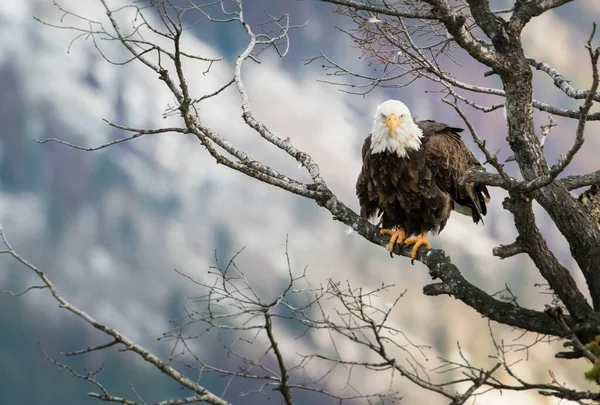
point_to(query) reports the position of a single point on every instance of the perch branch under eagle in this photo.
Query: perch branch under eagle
(410, 176)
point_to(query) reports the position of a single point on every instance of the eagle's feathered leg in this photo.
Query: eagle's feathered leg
(418, 241)
(396, 236)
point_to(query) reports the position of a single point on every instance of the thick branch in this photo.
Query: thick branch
(489, 179)
(489, 22)
(453, 283)
(575, 224)
(531, 241)
(572, 395)
(456, 26)
(582, 180)
(387, 10)
(579, 229)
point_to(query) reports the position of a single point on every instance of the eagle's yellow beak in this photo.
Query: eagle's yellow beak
(393, 122)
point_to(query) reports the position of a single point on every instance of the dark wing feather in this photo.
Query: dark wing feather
(448, 158)
(367, 197)
(430, 127)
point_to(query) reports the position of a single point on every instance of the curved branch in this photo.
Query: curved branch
(284, 144)
(202, 393)
(418, 14)
(526, 10)
(561, 82)
(138, 133)
(453, 283)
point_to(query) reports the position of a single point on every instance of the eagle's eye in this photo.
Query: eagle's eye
(383, 116)
(402, 115)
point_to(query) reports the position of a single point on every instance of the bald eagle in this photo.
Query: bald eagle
(410, 176)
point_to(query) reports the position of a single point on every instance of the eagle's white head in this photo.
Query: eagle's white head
(394, 129)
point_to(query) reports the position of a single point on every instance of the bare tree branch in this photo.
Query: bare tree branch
(138, 133)
(561, 82)
(488, 21)
(525, 10)
(284, 386)
(130, 345)
(577, 181)
(386, 10)
(92, 349)
(565, 160)
(531, 241)
(112, 398)
(584, 110)
(25, 291)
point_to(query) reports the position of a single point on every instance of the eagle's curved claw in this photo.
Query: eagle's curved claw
(397, 236)
(417, 241)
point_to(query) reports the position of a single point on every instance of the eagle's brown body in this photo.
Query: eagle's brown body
(418, 192)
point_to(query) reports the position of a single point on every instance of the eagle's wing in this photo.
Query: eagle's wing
(448, 158)
(367, 197)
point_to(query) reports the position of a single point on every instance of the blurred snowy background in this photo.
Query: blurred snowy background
(110, 227)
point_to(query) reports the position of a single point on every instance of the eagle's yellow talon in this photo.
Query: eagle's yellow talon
(417, 241)
(397, 236)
